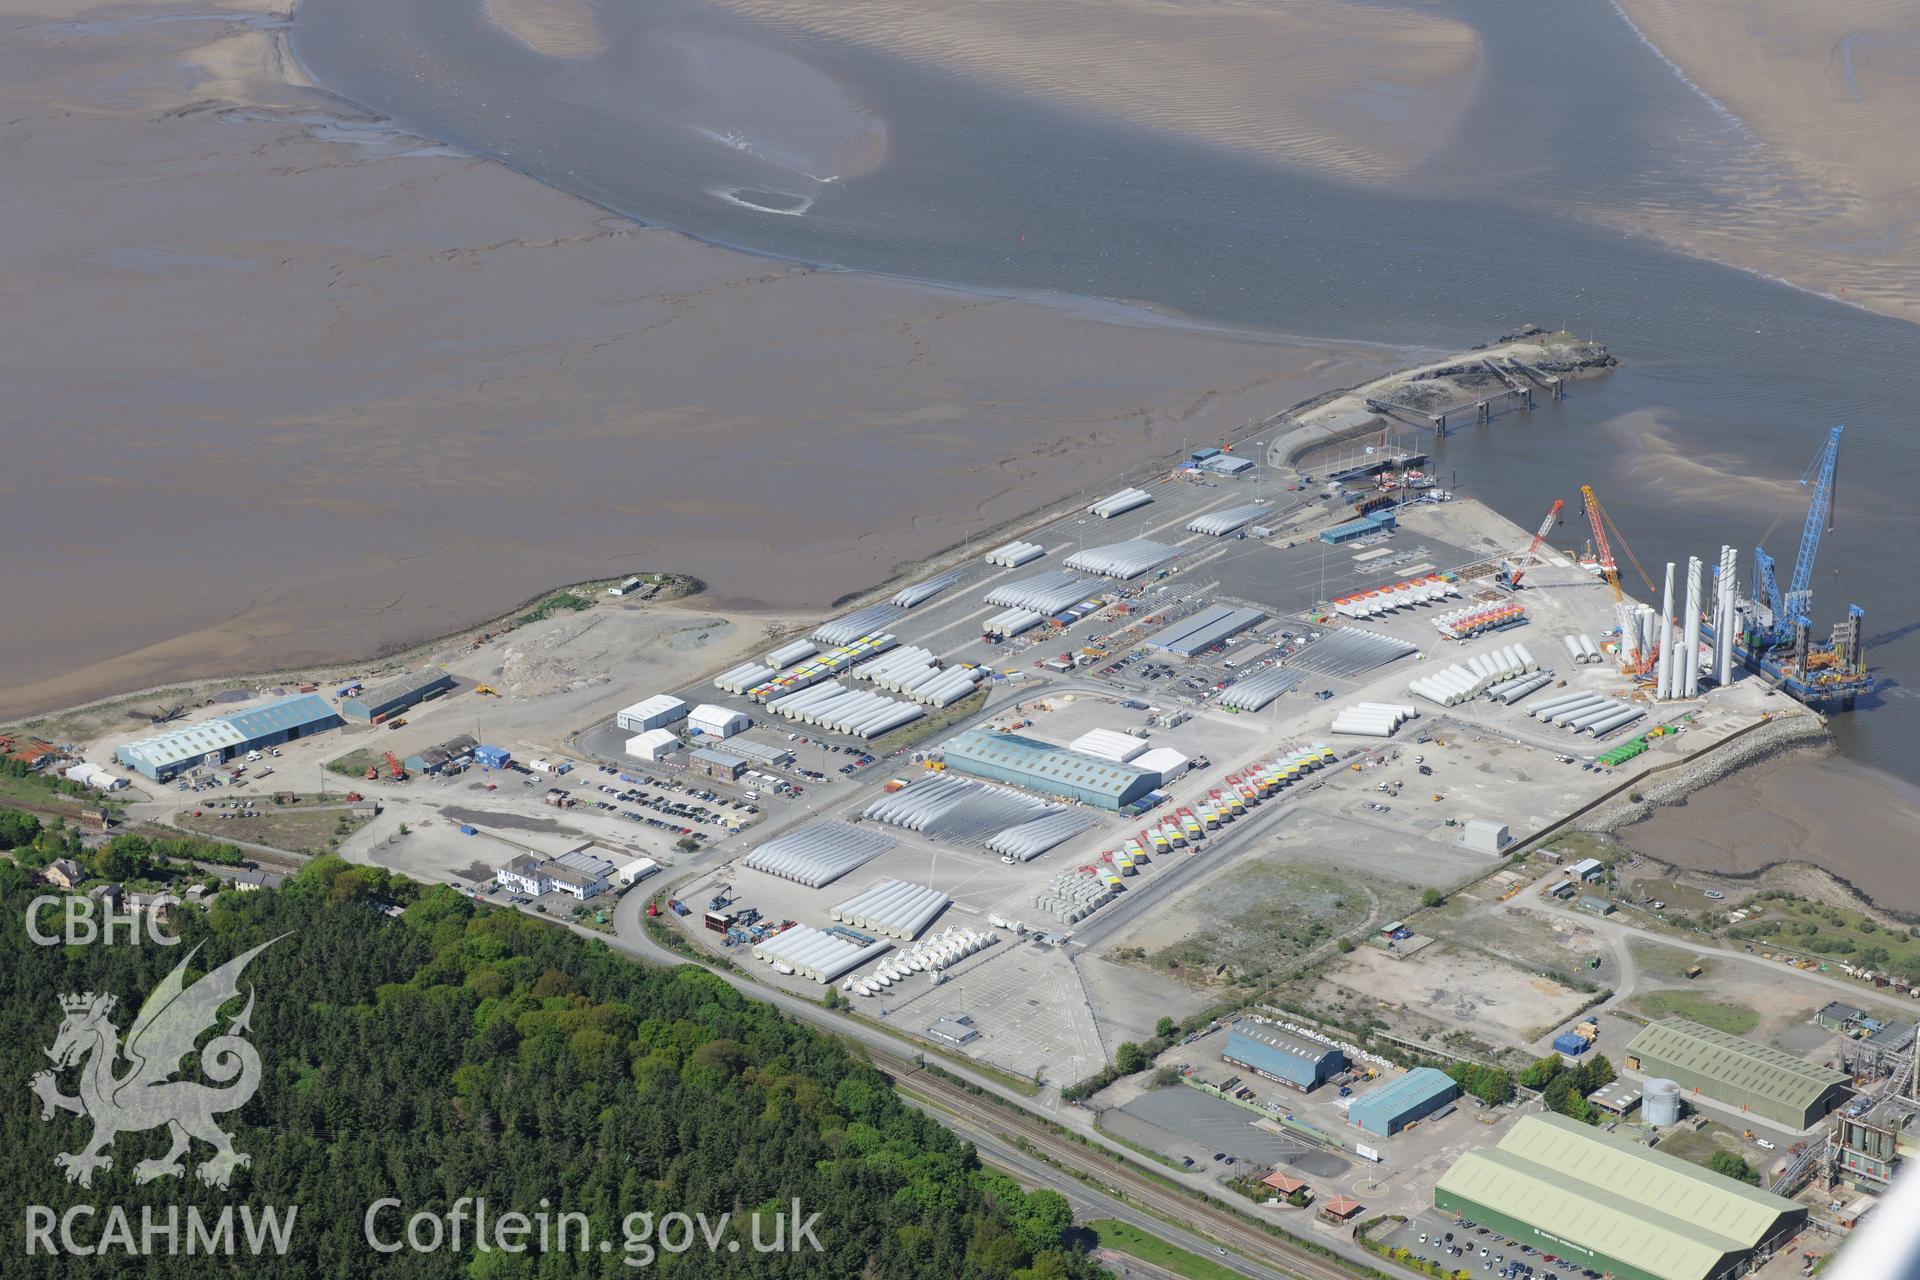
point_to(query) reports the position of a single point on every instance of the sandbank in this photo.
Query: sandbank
(1364, 90)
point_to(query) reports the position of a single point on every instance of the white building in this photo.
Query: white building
(522, 874)
(1109, 744)
(94, 776)
(1483, 835)
(1165, 761)
(654, 744)
(656, 712)
(715, 721)
(637, 870)
(578, 873)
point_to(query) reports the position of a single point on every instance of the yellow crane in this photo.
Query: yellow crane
(1601, 522)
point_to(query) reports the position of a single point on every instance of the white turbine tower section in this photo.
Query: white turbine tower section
(1690, 650)
(1723, 632)
(1661, 679)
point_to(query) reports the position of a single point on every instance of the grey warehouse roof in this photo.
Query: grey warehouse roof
(300, 710)
(1208, 627)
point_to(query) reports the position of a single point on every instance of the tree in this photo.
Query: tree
(123, 858)
(1165, 1028)
(1541, 1071)
(17, 829)
(1129, 1058)
(1732, 1166)
(401, 1048)
(1433, 898)
(1045, 1220)
(1491, 1085)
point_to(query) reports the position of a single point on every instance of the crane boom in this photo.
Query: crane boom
(1597, 516)
(1822, 473)
(1546, 526)
(1608, 569)
(1766, 585)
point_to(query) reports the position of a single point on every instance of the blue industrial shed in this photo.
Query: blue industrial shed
(1394, 1106)
(1365, 526)
(1277, 1054)
(217, 740)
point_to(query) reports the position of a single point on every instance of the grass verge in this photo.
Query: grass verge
(1721, 1015)
(928, 725)
(1154, 1251)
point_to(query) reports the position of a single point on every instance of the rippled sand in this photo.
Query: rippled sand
(1830, 93)
(1854, 822)
(345, 390)
(558, 28)
(1362, 90)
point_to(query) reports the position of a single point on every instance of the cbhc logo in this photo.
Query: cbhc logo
(91, 920)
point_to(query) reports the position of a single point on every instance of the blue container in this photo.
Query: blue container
(1570, 1044)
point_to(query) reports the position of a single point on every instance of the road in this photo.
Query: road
(1088, 1202)
(1132, 1195)
(1617, 931)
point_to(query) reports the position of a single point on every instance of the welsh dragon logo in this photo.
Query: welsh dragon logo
(144, 1095)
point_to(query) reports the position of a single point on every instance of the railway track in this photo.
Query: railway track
(1113, 1173)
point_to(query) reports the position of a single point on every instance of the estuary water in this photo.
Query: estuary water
(848, 158)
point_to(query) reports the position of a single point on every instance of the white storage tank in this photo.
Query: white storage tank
(1660, 1102)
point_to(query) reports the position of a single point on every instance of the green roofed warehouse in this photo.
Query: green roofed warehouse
(1610, 1205)
(1735, 1072)
(1050, 770)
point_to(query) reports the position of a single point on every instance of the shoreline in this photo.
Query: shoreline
(701, 598)
(1799, 803)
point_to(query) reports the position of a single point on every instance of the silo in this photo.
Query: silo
(1660, 1102)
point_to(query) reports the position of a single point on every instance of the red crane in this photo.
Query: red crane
(1546, 527)
(399, 774)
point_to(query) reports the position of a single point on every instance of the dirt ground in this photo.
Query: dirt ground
(1254, 918)
(313, 826)
(1531, 939)
(1459, 988)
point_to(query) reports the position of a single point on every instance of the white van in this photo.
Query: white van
(253, 755)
